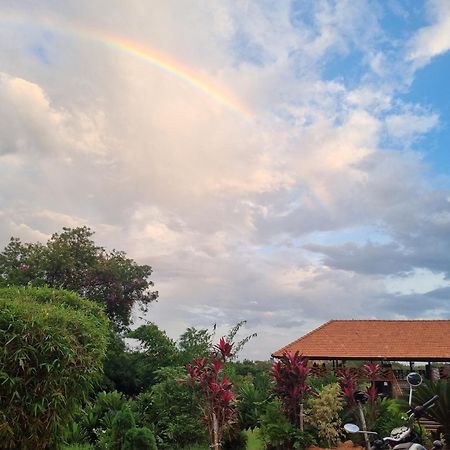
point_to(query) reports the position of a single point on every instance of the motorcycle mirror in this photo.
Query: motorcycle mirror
(414, 379)
(351, 428)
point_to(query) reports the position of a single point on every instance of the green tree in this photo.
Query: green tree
(71, 260)
(194, 343)
(156, 351)
(53, 344)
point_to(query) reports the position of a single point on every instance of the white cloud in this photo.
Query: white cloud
(219, 205)
(434, 39)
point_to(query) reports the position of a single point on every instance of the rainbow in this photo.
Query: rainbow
(152, 56)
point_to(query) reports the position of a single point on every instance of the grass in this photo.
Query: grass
(253, 443)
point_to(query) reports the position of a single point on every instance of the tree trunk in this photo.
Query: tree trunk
(216, 439)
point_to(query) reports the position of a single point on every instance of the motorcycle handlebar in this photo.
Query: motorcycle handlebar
(430, 402)
(420, 409)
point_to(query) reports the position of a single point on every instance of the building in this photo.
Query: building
(384, 341)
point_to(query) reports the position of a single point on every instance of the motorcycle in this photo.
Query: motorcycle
(405, 437)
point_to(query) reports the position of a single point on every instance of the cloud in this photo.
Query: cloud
(432, 40)
(270, 219)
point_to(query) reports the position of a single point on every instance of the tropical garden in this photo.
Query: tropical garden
(75, 374)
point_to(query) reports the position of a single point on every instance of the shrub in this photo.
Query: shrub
(167, 408)
(391, 414)
(323, 414)
(441, 411)
(53, 346)
(139, 439)
(278, 433)
(251, 405)
(290, 375)
(114, 436)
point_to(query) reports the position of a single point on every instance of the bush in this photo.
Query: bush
(167, 408)
(139, 439)
(279, 434)
(235, 440)
(323, 414)
(441, 411)
(53, 346)
(391, 414)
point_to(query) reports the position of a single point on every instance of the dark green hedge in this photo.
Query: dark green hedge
(52, 347)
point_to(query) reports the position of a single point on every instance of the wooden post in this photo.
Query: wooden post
(301, 417)
(363, 425)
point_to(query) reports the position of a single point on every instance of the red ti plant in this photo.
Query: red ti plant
(290, 375)
(216, 390)
(372, 371)
(348, 382)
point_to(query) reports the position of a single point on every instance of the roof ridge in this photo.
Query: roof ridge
(385, 320)
(302, 337)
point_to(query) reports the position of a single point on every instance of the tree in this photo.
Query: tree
(71, 260)
(194, 343)
(53, 344)
(157, 351)
(216, 390)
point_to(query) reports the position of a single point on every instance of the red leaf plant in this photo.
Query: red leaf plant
(290, 375)
(372, 371)
(348, 381)
(216, 390)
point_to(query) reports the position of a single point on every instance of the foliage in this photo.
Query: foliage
(234, 439)
(167, 407)
(194, 343)
(323, 414)
(441, 411)
(157, 351)
(121, 368)
(278, 433)
(252, 404)
(348, 382)
(98, 417)
(71, 260)
(53, 344)
(290, 373)
(139, 439)
(216, 390)
(372, 371)
(239, 345)
(123, 422)
(391, 414)
(78, 447)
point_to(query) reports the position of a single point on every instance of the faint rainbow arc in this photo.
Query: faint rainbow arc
(154, 57)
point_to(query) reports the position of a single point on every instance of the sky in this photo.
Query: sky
(279, 162)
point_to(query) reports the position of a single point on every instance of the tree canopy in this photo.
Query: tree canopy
(71, 260)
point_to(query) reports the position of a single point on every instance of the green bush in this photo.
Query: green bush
(278, 433)
(441, 411)
(53, 345)
(391, 414)
(323, 414)
(114, 437)
(235, 440)
(168, 409)
(139, 439)
(252, 404)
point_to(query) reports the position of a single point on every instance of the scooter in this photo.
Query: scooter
(403, 438)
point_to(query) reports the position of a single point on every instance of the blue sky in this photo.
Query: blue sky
(284, 162)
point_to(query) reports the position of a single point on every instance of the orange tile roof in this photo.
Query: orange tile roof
(394, 340)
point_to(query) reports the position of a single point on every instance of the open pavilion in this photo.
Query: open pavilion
(385, 341)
